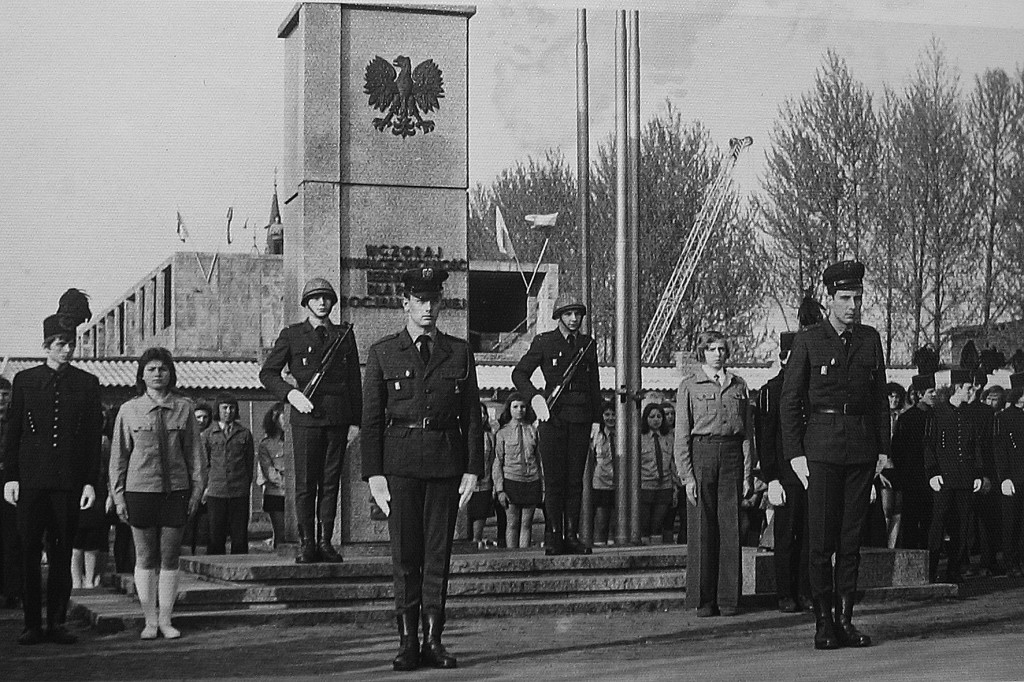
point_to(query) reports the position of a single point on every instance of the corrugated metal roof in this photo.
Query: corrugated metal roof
(192, 374)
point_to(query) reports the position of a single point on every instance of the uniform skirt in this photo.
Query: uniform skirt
(524, 494)
(273, 503)
(602, 498)
(148, 510)
(480, 506)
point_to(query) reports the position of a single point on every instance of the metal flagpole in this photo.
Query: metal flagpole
(633, 384)
(623, 440)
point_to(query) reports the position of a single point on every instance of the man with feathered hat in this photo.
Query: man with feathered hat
(52, 464)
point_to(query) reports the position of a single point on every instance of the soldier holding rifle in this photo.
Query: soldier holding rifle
(568, 409)
(326, 412)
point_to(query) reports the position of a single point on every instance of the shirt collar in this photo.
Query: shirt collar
(710, 374)
(167, 404)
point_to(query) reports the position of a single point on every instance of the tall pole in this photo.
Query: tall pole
(633, 381)
(583, 194)
(623, 428)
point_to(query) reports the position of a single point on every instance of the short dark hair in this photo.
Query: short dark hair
(226, 399)
(706, 338)
(148, 356)
(270, 425)
(203, 407)
(645, 427)
(5, 384)
(892, 388)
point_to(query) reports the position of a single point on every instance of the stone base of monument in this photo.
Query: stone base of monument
(263, 588)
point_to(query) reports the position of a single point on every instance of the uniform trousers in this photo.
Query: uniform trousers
(228, 516)
(10, 552)
(838, 496)
(422, 525)
(915, 518)
(987, 521)
(1013, 530)
(319, 451)
(713, 526)
(563, 450)
(791, 544)
(55, 514)
(944, 504)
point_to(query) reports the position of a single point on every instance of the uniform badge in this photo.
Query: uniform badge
(554, 362)
(310, 349)
(408, 373)
(305, 361)
(824, 370)
(398, 385)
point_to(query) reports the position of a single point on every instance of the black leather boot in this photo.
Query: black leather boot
(327, 551)
(573, 544)
(308, 552)
(848, 634)
(408, 657)
(825, 633)
(433, 654)
(553, 542)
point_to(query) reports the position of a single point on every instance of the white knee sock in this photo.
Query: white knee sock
(146, 587)
(168, 593)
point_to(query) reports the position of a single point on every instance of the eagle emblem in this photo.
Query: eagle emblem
(403, 95)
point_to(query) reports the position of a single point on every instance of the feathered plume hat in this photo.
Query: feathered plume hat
(72, 310)
(810, 311)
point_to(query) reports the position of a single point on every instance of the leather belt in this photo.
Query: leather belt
(427, 423)
(846, 408)
(701, 438)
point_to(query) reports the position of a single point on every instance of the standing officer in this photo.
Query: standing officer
(52, 465)
(835, 431)
(422, 454)
(785, 493)
(321, 427)
(565, 429)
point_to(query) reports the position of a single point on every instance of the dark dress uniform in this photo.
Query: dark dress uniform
(987, 508)
(790, 521)
(52, 449)
(421, 429)
(1009, 457)
(911, 479)
(318, 438)
(563, 440)
(952, 449)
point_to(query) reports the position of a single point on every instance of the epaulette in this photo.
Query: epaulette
(388, 337)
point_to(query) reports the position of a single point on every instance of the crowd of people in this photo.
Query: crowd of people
(821, 460)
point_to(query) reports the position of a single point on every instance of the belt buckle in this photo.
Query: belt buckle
(427, 423)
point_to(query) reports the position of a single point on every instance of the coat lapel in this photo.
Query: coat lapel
(440, 352)
(838, 349)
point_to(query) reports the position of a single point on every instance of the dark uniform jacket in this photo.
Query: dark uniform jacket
(1009, 446)
(338, 400)
(769, 442)
(842, 393)
(952, 447)
(55, 429)
(421, 421)
(908, 449)
(985, 418)
(580, 401)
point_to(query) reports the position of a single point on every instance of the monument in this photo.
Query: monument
(375, 172)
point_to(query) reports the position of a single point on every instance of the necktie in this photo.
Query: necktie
(572, 341)
(658, 456)
(424, 343)
(322, 333)
(161, 436)
(846, 336)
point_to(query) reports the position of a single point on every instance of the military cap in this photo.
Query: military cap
(426, 280)
(844, 275)
(786, 341)
(1017, 380)
(922, 382)
(564, 304)
(961, 376)
(318, 286)
(72, 310)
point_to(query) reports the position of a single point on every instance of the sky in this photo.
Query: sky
(116, 115)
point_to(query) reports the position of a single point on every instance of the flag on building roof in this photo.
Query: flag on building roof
(542, 219)
(502, 235)
(181, 229)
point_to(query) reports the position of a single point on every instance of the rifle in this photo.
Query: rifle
(569, 373)
(325, 364)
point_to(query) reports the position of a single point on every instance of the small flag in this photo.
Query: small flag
(182, 230)
(502, 235)
(542, 220)
(231, 212)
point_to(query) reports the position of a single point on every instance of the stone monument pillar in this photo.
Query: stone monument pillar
(375, 173)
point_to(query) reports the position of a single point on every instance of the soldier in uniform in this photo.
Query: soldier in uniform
(52, 465)
(1010, 469)
(785, 493)
(566, 429)
(835, 431)
(422, 455)
(323, 426)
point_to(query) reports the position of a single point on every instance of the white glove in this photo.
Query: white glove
(936, 483)
(1008, 488)
(540, 408)
(466, 489)
(977, 485)
(381, 494)
(776, 494)
(874, 494)
(799, 465)
(594, 430)
(12, 490)
(299, 401)
(88, 498)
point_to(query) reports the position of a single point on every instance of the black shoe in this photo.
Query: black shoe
(805, 603)
(32, 636)
(553, 545)
(788, 605)
(408, 657)
(573, 545)
(433, 654)
(848, 634)
(707, 611)
(60, 635)
(328, 553)
(308, 553)
(825, 636)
